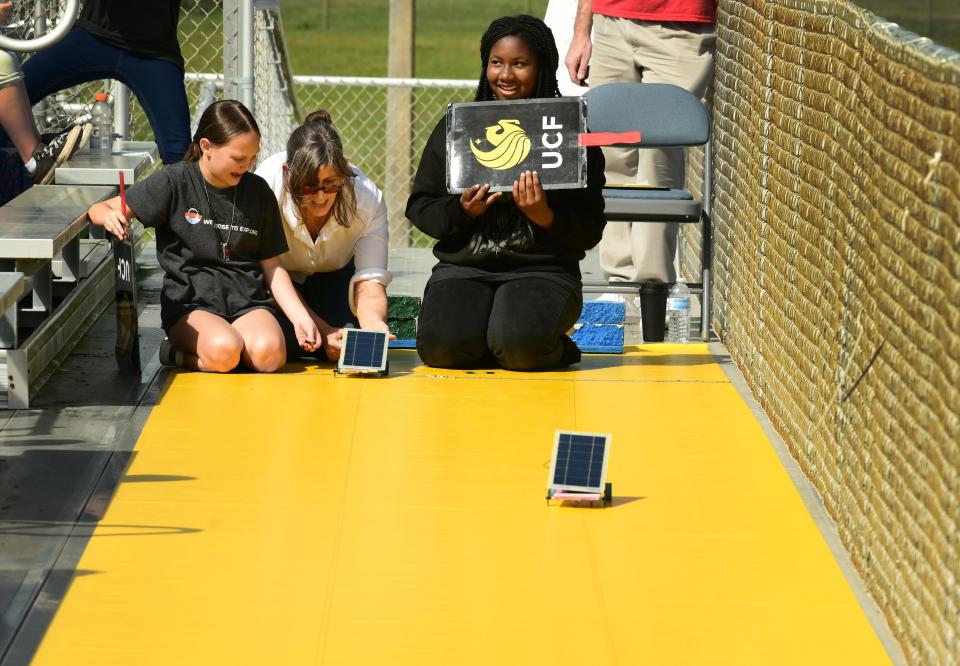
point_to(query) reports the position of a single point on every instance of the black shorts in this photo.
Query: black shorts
(182, 311)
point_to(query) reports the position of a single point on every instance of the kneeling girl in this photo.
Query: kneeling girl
(218, 238)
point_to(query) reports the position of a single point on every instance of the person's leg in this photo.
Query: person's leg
(207, 342)
(16, 118)
(263, 346)
(612, 61)
(529, 321)
(77, 58)
(681, 54)
(677, 53)
(158, 85)
(452, 328)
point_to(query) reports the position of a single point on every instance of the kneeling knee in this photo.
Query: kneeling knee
(267, 355)
(221, 354)
(439, 356)
(518, 360)
(516, 351)
(444, 351)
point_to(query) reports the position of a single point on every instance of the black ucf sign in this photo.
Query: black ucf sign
(494, 142)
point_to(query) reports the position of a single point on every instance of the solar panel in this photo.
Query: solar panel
(363, 351)
(579, 461)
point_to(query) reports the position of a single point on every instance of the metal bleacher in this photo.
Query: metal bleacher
(55, 276)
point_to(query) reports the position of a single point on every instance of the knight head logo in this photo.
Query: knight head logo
(511, 145)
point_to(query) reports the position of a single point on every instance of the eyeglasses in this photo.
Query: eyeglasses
(326, 188)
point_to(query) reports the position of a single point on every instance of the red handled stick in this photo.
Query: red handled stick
(123, 196)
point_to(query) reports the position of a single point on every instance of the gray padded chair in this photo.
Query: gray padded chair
(666, 115)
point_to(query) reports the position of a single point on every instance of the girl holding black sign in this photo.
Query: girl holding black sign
(219, 236)
(507, 287)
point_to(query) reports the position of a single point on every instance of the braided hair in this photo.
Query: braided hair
(538, 38)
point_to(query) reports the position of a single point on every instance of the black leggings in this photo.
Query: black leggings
(520, 324)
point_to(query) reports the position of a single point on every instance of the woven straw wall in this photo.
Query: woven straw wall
(837, 264)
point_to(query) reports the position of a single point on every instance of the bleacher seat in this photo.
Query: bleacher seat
(40, 226)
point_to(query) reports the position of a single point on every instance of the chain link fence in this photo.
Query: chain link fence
(387, 151)
(201, 43)
(383, 145)
(34, 19)
(275, 104)
(202, 30)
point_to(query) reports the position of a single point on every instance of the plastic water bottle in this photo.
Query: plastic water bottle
(678, 309)
(101, 116)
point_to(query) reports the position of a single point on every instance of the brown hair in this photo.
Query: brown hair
(311, 147)
(318, 116)
(220, 122)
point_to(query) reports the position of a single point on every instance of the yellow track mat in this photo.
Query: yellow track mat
(304, 518)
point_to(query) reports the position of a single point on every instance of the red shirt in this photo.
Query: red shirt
(691, 11)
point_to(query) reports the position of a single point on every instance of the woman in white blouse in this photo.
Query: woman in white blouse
(335, 221)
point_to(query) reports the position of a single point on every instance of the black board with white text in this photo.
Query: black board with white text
(494, 142)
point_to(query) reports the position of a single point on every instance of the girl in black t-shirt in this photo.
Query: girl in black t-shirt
(219, 236)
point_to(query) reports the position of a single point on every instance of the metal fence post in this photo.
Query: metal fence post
(121, 110)
(246, 54)
(400, 64)
(231, 49)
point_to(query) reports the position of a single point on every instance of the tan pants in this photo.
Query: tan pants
(649, 52)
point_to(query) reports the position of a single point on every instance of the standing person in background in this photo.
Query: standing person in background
(560, 17)
(335, 221)
(219, 236)
(507, 286)
(39, 158)
(650, 41)
(134, 42)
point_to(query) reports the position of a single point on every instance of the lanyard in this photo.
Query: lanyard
(224, 244)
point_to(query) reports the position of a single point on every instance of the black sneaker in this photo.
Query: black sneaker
(169, 356)
(51, 155)
(571, 352)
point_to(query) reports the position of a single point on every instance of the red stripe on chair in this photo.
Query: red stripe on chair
(608, 138)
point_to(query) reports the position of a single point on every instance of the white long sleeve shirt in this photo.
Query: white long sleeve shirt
(366, 239)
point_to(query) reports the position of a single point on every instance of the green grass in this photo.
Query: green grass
(937, 19)
(350, 37)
